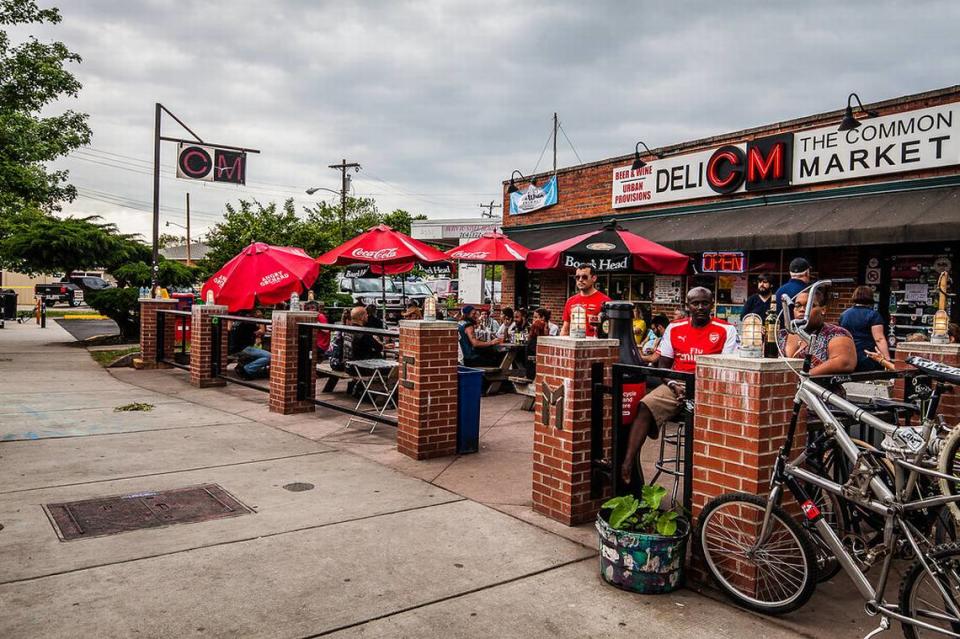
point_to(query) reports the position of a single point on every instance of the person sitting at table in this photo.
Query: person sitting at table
(475, 351)
(520, 323)
(538, 328)
(413, 311)
(323, 337)
(834, 352)
(372, 320)
(487, 323)
(648, 350)
(544, 314)
(358, 346)
(506, 319)
(252, 360)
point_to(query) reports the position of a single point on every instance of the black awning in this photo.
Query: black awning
(924, 215)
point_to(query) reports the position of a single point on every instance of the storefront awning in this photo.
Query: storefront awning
(926, 215)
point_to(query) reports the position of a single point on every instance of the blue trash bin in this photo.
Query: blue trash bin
(469, 386)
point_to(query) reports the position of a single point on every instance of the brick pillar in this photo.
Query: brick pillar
(201, 345)
(283, 364)
(742, 412)
(148, 331)
(949, 354)
(561, 427)
(427, 395)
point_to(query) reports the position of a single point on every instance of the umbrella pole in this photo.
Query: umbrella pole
(383, 291)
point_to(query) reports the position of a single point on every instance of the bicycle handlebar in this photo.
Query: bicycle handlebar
(793, 325)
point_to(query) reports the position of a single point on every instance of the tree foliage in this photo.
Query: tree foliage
(33, 75)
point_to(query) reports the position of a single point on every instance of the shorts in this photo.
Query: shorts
(663, 405)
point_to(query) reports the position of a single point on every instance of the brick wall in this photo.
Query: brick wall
(837, 263)
(148, 331)
(553, 293)
(283, 364)
(508, 279)
(562, 429)
(427, 395)
(201, 345)
(948, 354)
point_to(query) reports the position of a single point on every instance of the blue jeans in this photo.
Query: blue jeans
(261, 361)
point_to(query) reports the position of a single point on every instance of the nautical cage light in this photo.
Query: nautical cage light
(430, 308)
(578, 322)
(751, 338)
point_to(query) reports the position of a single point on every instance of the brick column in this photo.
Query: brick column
(427, 395)
(201, 345)
(148, 331)
(561, 427)
(949, 354)
(742, 412)
(283, 364)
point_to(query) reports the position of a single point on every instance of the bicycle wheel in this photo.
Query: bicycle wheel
(774, 578)
(921, 599)
(949, 463)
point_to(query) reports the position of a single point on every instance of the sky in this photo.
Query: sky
(440, 101)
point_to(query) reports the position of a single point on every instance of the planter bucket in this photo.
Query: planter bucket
(648, 564)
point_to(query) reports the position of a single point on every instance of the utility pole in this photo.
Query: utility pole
(342, 167)
(556, 125)
(189, 261)
(489, 208)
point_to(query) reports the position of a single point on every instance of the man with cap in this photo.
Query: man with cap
(476, 352)
(759, 302)
(799, 280)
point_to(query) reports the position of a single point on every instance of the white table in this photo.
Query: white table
(374, 375)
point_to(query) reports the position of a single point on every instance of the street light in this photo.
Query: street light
(513, 188)
(314, 189)
(849, 122)
(637, 162)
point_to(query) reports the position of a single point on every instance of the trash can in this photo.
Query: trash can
(8, 304)
(469, 386)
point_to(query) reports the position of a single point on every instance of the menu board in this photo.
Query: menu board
(667, 289)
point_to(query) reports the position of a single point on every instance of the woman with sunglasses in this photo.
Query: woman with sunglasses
(834, 352)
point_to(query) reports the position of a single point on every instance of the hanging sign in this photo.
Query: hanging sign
(211, 164)
(534, 198)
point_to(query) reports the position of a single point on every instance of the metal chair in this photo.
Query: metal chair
(672, 434)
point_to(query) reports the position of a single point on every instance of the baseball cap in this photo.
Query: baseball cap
(799, 265)
(763, 277)
(467, 309)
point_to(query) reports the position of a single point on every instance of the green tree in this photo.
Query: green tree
(167, 240)
(251, 222)
(33, 75)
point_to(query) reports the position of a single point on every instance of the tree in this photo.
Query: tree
(32, 76)
(248, 223)
(167, 240)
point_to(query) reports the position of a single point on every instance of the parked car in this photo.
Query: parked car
(444, 288)
(369, 290)
(70, 290)
(418, 291)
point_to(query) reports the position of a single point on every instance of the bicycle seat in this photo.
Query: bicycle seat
(937, 370)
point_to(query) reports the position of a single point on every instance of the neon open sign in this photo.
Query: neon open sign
(724, 262)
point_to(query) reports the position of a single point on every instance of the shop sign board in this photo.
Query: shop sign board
(211, 164)
(534, 198)
(723, 262)
(908, 141)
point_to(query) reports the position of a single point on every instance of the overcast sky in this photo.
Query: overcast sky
(440, 101)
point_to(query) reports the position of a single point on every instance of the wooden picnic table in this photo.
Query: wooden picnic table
(509, 366)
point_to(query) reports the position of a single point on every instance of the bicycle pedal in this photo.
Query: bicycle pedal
(883, 627)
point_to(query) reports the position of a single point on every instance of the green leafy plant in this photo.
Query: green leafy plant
(642, 515)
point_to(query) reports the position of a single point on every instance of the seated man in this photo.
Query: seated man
(252, 360)
(359, 346)
(476, 352)
(682, 342)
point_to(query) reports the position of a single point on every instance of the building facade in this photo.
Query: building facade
(879, 203)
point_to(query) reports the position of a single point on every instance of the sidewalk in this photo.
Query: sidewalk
(380, 546)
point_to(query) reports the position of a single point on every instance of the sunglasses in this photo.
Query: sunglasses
(583, 277)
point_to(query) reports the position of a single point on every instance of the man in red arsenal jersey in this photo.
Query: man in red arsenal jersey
(682, 342)
(588, 297)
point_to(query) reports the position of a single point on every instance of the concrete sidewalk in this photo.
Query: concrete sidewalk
(380, 546)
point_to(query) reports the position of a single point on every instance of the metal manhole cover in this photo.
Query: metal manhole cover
(298, 487)
(112, 515)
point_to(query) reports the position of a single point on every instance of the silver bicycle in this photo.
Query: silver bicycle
(767, 561)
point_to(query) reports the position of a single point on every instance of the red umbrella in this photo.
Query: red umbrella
(490, 248)
(610, 248)
(385, 250)
(262, 273)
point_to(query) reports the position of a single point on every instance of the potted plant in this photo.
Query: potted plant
(642, 548)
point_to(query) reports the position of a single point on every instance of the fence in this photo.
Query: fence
(217, 343)
(181, 321)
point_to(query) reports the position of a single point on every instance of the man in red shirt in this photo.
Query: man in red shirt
(588, 297)
(682, 342)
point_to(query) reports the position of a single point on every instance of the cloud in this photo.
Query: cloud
(440, 101)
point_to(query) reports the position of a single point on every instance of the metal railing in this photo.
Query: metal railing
(181, 320)
(216, 355)
(305, 361)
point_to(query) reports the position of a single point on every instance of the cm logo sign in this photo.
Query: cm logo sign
(211, 164)
(766, 164)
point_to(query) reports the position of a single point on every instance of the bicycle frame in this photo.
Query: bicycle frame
(873, 495)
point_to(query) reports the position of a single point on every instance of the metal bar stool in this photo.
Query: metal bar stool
(673, 435)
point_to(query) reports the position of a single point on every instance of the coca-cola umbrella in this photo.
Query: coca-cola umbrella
(385, 250)
(490, 248)
(262, 273)
(610, 248)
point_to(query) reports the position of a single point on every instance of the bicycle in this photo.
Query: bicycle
(767, 562)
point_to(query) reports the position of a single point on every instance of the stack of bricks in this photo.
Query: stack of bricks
(948, 354)
(562, 465)
(148, 331)
(742, 412)
(201, 345)
(427, 395)
(283, 364)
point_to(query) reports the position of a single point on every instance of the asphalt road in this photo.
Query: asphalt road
(83, 329)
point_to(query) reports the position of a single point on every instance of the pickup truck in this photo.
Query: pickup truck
(70, 291)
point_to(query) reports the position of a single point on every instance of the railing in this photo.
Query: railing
(305, 362)
(182, 321)
(216, 338)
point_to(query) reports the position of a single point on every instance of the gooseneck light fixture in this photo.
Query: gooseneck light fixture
(513, 188)
(637, 162)
(849, 122)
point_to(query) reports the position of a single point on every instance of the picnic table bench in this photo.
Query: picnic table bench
(331, 376)
(525, 387)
